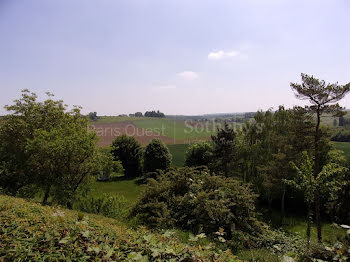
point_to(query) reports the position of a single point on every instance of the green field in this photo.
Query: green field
(178, 152)
(116, 119)
(127, 188)
(178, 131)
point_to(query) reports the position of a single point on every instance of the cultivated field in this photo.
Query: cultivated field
(145, 129)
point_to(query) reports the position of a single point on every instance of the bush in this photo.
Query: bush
(113, 206)
(193, 199)
(199, 154)
(157, 156)
(129, 152)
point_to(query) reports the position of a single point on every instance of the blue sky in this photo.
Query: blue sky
(182, 57)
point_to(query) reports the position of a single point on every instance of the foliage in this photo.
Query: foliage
(154, 114)
(323, 98)
(62, 158)
(193, 199)
(108, 165)
(108, 205)
(93, 116)
(267, 145)
(320, 94)
(224, 150)
(43, 146)
(156, 156)
(199, 154)
(329, 180)
(337, 199)
(30, 232)
(129, 152)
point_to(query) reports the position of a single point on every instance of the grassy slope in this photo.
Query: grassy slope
(30, 232)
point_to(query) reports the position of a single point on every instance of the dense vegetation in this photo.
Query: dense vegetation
(30, 232)
(154, 114)
(129, 152)
(195, 200)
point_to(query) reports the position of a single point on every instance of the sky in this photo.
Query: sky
(179, 56)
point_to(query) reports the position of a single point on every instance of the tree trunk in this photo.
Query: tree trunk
(318, 216)
(282, 205)
(316, 172)
(308, 229)
(46, 195)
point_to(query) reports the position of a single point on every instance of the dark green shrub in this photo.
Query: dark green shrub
(199, 154)
(156, 156)
(129, 152)
(193, 199)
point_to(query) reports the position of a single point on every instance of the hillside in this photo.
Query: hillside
(29, 231)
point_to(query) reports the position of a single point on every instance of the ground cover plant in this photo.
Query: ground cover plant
(31, 232)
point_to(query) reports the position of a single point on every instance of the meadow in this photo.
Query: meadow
(344, 146)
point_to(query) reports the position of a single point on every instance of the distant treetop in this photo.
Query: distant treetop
(93, 116)
(154, 114)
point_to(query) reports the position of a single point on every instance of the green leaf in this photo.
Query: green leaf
(64, 240)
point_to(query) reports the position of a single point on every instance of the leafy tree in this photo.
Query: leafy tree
(129, 152)
(138, 114)
(154, 114)
(199, 154)
(156, 156)
(337, 199)
(63, 158)
(323, 98)
(267, 145)
(327, 180)
(43, 146)
(93, 116)
(25, 116)
(108, 165)
(224, 150)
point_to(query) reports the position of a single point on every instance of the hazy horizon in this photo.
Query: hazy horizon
(181, 57)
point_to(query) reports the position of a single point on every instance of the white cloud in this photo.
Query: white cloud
(188, 75)
(219, 55)
(167, 87)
